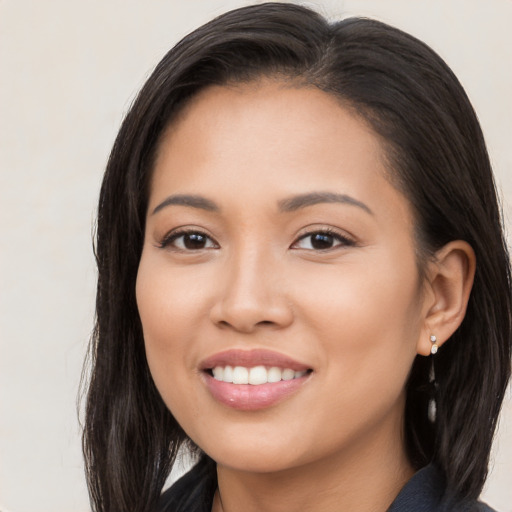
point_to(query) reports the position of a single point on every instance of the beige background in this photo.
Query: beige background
(68, 72)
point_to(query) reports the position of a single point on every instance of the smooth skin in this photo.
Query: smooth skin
(333, 283)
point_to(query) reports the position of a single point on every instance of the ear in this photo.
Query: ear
(449, 281)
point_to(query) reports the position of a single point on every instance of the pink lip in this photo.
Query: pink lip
(247, 397)
(251, 358)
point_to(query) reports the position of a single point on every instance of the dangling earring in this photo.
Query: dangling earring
(432, 406)
(433, 349)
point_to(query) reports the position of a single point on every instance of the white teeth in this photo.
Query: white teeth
(240, 375)
(218, 373)
(274, 374)
(228, 374)
(258, 375)
(255, 375)
(288, 374)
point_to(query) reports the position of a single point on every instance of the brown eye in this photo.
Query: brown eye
(322, 241)
(189, 241)
(194, 241)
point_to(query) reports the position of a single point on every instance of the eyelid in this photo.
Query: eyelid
(343, 237)
(174, 234)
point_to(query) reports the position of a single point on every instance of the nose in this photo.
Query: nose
(252, 295)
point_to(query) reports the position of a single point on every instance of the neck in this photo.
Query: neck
(366, 477)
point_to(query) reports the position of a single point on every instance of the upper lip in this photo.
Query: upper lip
(251, 358)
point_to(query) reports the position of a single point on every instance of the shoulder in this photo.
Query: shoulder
(471, 506)
(426, 492)
(454, 505)
(481, 507)
(193, 492)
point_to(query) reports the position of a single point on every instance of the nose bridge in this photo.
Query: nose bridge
(251, 274)
(251, 293)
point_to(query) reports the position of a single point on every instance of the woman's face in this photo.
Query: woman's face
(276, 251)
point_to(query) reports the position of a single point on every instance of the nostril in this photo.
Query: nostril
(242, 309)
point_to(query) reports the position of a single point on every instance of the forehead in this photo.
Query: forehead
(270, 138)
(265, 100)
(264, 119)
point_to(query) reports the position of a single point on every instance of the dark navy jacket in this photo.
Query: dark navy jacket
(425, 492)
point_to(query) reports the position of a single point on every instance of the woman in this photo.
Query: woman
(302, 277)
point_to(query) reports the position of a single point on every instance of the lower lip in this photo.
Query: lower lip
(247, 397)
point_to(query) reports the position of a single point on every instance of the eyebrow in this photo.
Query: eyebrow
(303, 200)
(188, 200)
(289, 204)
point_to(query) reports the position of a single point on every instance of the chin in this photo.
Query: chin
(252, 449)
(253, 461)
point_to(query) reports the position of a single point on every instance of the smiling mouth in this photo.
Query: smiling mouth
(256, 375)
(251, 380)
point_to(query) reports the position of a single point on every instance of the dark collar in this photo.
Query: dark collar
(426, 491)
(422, 493)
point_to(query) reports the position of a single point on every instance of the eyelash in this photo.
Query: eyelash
(170, 238)
(343, 240)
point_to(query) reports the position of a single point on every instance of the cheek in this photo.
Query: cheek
(167, 305)
(368, 322)
(376, 297)
(168, 301)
